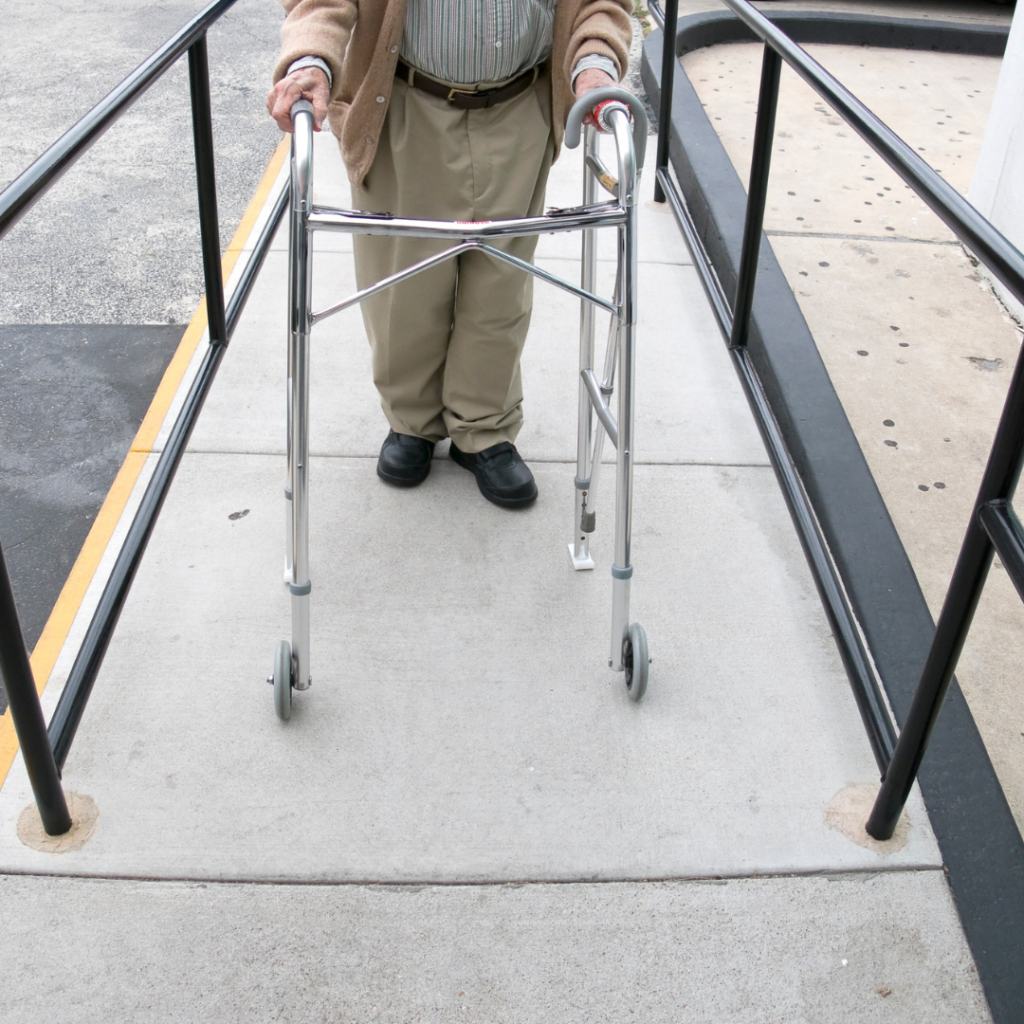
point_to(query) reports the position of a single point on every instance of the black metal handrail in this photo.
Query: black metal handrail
(993, 526)
(44, 753)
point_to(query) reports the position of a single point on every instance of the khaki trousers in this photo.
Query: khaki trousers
(447, 343)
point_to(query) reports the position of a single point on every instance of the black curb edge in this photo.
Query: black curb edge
(981, 846)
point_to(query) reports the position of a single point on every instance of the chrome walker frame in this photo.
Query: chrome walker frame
(614, 106)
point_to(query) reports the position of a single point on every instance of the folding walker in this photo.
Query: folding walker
(612, 107)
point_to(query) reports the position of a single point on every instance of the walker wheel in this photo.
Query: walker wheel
(283, 680)
(635, 661)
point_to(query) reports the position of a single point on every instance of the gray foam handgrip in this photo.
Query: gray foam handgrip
(586, 103)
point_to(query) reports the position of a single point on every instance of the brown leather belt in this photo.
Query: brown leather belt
(467, 99)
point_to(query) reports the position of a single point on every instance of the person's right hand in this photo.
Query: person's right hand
(304, 84)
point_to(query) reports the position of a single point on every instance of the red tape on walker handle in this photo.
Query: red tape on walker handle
(594, 117)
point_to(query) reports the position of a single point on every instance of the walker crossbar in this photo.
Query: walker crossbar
(628, 641)
(553, 222)
(447, 254)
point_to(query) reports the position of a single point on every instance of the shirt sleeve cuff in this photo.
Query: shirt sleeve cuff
(318, 62)
(595, 60)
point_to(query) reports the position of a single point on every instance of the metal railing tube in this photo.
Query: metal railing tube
(206, 185)
(22, 194)
(242, 291)
(984, 240)
(87, 664)
(757, 192)
(668, 71)
(866, 691)
(71, 706)
(1007, 536)
(78, 688)
(27, 715)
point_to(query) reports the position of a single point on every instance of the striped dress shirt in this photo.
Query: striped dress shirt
(470, 42)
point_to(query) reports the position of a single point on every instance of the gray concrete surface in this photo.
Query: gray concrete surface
(918, 347)
(463, 725)
(805, 950)
(472, 807)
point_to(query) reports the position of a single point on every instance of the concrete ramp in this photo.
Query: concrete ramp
(466, 817)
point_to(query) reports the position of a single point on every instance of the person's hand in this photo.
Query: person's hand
(304, 84)
(586, 81)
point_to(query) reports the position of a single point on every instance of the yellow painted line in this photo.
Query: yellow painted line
(55, 632)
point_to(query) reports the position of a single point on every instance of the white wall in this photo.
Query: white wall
(998, 186)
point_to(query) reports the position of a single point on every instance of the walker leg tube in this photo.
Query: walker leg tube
(299, 324)
(583, 520)
(611, 352)
(300, 585)
(289, 568)
(622, 568)
(620, 617)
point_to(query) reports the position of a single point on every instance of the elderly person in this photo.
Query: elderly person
(448, 110)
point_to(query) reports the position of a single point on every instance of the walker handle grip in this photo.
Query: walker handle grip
(301, 107)
(588, 101)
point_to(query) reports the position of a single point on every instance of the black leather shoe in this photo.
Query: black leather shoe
(501, 474)
(404, 460)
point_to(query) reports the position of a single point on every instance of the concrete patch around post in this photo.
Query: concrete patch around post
(849, 810)
(84, 819)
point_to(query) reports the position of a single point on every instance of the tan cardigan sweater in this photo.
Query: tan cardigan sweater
(360, 40)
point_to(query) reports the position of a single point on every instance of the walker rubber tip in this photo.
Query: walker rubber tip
(580, 563)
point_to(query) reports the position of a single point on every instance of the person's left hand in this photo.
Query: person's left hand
(588, 80)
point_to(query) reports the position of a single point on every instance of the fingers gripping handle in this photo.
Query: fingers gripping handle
(589, 101)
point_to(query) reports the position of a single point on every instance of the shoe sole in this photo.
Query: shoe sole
(403, 481)
(495, 499)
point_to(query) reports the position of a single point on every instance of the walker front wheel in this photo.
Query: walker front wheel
(283, 680)
(635, 661)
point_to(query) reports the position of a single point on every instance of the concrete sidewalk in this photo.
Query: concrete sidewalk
(466, 818)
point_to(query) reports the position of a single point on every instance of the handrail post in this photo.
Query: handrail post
(760, 164)
(206, 183)
(962, 597)
(27, 714)
(950, 635)
(668, 72)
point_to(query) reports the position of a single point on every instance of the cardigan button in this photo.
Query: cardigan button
(394, 49)
(380, 99)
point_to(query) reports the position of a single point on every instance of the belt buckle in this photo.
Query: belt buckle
(452, 93)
